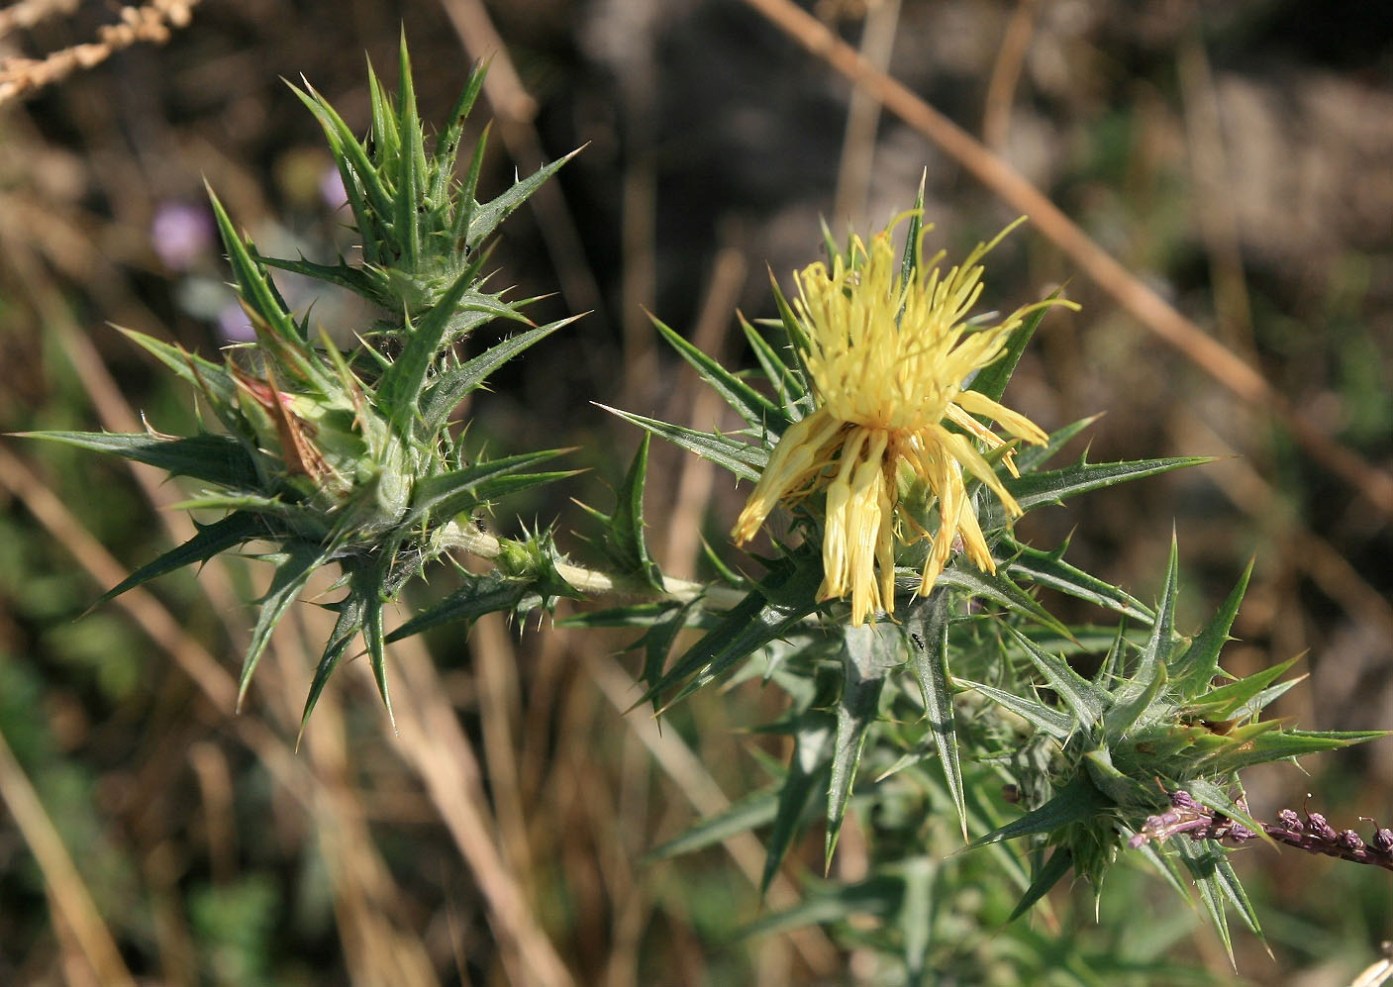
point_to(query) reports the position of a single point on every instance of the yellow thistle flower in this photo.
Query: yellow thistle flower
(888, 360)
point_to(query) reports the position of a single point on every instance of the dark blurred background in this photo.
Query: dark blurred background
(1236, 156)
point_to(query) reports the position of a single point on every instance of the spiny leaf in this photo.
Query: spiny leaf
(211, 378)
(743, 459)
(446, 392)
(992, 379)
(297, 563)
(399, 390)
(488, 216)
(410, 177)
(367, 196)
(355, 279)
(1137, 706)
(1077, 802)
(1255, 746)
(751, 812)
(806, 776)
(447, 143)
(448, 494)
(999, 589)
(926, 627)
(211, 540)
(377, 656)
(468, 203)
(1048, 569)
(1200, 663)
(745, 628)
(791, 389)
(492, 593)
(624, 537)
(1158, 647)
(1029, 458)
(757, 410)
(1202, 860)
(914, 235)
(253, 285)
(869, 652)
(1225, 702)
(1085, 700)
(216, 459)
(365, 594)
(1059, 725)
(1036, 489)
(1046, 877)
(658, 641)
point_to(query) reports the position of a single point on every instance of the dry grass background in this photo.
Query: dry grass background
(1234, 158)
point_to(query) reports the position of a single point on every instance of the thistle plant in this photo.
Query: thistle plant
(930, 693)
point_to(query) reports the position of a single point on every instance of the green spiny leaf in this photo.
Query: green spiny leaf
(789, 387)
(991, 381)
(1227, 701)
(1194, 670)
(296, 563)
(446, 392)
(255, 287)
(353, 611)
(743, 459)
(1059, 725)
(367, 196)
(399, 390)
(355, 279)
(488, 216)
(1046, 877)
(1048, 569)
(806, 776)
(751, 812)
(1030, 458)
(211, 540)
(492, 593)
(624, 536)
(757, 410)
(446, 495)
(745, 628)
(1136, 705)
(1036, 489)
(999, 589)
(1085, 700)
(447, 144)
(1161, 643)
(216, 459)
(869, 653)
(914, 235)
(926, 627)
(1076, 802)
(1202, 860)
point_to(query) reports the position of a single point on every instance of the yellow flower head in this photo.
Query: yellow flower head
(888, 359)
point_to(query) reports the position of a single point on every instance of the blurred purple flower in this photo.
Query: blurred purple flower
(331, 188)
(234, 326)
(182, 234)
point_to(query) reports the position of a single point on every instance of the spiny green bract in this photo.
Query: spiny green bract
(348, 457)
(1158, 715)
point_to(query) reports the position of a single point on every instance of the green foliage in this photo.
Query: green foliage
(962, 696)
(350, 458)
(914, 727)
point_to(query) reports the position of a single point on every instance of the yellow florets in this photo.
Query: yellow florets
(888, 359)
